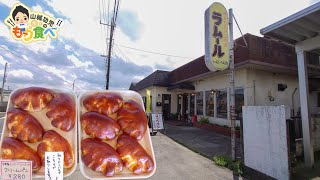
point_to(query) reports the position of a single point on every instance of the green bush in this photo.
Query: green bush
(203, 120)
(226, 161)
(222, 160)
(237, 168)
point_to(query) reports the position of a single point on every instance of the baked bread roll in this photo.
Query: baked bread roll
(62, 112)
(53, 142)
(99, 126)
(100, 156)
(132, 119)
(103, 102)
(32, 98)
(24, 126)
(133, 155)
(16, 150)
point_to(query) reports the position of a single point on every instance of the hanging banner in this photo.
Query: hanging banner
(28, 26)
(216, 37)
(148, 101)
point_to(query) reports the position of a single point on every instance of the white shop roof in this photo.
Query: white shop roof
(296, 28)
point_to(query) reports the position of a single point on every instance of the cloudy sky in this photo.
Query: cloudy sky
(171, 27)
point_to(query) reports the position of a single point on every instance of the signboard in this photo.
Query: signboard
(157, 121)
(16, 169)
(28, 26)
(216, 37)
(54, 165)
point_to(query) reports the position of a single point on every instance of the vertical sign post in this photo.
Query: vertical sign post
(219, 52)
(232, 88)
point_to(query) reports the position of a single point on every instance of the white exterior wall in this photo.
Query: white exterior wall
(266, 83)
(265, 140)
(155, 92)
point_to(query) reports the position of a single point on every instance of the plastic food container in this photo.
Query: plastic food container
(70, 136)
(145, 142)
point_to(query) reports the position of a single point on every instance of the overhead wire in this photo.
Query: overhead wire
(153, 52)
(126, 57)
(47, 72)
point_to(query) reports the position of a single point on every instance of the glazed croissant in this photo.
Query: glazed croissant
(132, 119)
(32, 98)
(53, 142)
(15, 149)
(99, 126)
(133, 154)
(100, 156)
(24, 126)
(62, 112)
(103, 102)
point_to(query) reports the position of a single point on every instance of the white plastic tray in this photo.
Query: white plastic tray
(70, 136)
(145, 141)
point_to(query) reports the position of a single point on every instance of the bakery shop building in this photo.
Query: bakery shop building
(265, 75)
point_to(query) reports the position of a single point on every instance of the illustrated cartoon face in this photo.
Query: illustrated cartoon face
(21, 18)
(20, 15)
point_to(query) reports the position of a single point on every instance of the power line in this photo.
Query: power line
(126, 57)
(38, 67)
(152, 52)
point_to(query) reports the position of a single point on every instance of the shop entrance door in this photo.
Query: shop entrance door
(184, 106)
(166, 106)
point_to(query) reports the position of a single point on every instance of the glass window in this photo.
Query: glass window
(200, 103)
(239, 98)
(222, 101)
(191, 113)
(209, 103)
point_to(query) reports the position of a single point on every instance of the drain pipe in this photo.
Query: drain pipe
(254, 92)
(292, 100)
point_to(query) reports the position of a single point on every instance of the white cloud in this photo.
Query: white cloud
(21, 74)
(138, 78)
(40, 46)
(38, 8)
(2, 61)
(79, 63)
(9, 3)
(25, 57)
(67, 47)
(56, 71)
(84, 25)
(91, 70)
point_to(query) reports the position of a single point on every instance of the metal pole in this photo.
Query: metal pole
(4, 80)
(73, 84)
(305, 113)
(232, 87)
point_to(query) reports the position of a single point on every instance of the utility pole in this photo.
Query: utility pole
(109, 47)
(73, 84)
(4, 80)
(109, 54)
(232, 87)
